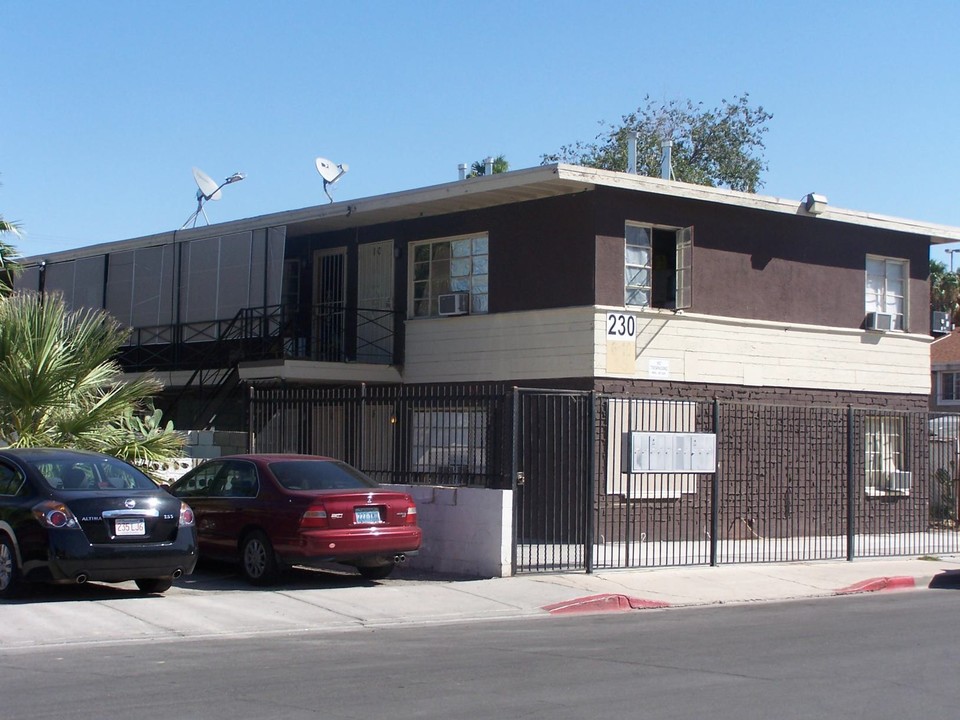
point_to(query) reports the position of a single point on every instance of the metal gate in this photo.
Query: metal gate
(554, 469)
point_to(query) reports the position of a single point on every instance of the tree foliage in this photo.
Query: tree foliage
(479, 167)
(8, 254)
(944, 291)
(719, 147)
(60, 385)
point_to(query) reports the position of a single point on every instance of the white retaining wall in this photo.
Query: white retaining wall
(466, 531)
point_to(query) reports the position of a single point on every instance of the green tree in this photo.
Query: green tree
(479, 168)
(944, 290)
(8, 254)
(60, 385)
(719, 147)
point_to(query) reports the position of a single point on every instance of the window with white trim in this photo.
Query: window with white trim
(886, 288)
(948, 387)
(445, 267)
(625, 415)
(885, 461)
(657, 265)
(450, 443)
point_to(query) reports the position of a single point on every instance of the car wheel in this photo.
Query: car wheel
(10, 582)
(154, 585)
(376, 572)
(257, 560)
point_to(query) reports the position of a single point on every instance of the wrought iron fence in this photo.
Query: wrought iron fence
(791, 483)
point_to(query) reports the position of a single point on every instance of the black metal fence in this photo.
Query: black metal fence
(791, 483)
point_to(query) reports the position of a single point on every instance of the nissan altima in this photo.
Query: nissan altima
(68, 516)
(273, 511)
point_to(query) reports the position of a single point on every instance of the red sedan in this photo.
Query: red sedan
(273, 511)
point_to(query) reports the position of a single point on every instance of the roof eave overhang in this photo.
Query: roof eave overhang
(536, 183)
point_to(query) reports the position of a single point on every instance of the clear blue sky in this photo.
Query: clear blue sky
(107, 105)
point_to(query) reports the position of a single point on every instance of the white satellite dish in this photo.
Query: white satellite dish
(206, 184)
(330, 172)
(208, 189)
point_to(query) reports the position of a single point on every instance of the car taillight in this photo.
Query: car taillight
(56, 515)
(315, 517)
(186, 515)
(411, 518)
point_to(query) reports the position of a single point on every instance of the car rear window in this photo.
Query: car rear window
(94, 475)
(319, 475)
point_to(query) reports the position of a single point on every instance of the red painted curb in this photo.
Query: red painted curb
(901, 582)
(607, 602)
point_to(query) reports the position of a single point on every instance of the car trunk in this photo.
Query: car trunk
(363, 508)
(126, 516)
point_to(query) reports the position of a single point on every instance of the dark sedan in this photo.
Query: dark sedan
(68, 516)
(272, 511)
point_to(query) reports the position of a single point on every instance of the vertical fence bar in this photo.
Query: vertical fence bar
(515, 481)
(715, 489)
(590, 492)
(851, 515)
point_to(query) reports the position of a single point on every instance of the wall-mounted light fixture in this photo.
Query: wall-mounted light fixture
(814, 203)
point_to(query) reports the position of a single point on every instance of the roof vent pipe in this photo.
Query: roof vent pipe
(488, 166)
(462, 167)
(632, 152)
(666, 166)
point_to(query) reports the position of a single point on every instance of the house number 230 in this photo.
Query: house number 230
(621, 325)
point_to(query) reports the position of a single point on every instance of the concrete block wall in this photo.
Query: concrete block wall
(206, 444)
(466, 531)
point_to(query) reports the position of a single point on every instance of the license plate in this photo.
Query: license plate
(129, 527)
(367, 515)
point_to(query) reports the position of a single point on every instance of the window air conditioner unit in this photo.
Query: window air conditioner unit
(940, 322)
(879, 321)
(454, 304)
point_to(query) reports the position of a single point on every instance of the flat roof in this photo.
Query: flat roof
(500, 189)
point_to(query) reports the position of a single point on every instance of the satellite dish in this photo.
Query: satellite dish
(208, 189)
(206, 184)
(330, 172)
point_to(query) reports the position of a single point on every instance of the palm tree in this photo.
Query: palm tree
(944, 290)
(479, 168)
(8, 267)
(61, 387)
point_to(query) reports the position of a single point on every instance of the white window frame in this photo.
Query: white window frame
(465, 269)
(886, 456)
(948, 378)
(880, 291)
(641, 279)
(451, 442)
(627, 415)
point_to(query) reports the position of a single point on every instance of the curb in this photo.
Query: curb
(606, 602)
(899, 582)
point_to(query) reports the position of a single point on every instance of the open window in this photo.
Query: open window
(658, 264)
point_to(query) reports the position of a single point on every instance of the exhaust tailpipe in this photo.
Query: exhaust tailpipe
(177, 573)
(399, 558)
(81, 578)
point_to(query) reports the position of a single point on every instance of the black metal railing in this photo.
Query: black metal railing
(327, 332)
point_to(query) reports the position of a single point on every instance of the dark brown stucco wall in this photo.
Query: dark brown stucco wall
(755, 264)
(568, 251)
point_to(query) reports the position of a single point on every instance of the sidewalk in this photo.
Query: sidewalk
(218, 604)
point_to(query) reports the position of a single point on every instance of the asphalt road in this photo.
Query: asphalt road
(879, 656)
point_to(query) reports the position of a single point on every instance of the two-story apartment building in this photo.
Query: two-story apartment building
(556, 277)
